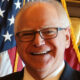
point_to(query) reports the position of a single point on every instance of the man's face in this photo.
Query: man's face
(43, 56)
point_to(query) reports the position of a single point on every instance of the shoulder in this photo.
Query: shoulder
(70, 74)
(13, 76)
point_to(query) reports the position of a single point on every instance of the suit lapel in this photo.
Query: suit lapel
(67, 73)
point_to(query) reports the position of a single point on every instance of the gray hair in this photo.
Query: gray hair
(58, 6)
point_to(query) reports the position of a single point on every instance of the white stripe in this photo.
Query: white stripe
(5, 64)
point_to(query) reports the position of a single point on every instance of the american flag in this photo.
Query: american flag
(8, 10)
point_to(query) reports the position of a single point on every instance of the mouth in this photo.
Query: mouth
(39, 53)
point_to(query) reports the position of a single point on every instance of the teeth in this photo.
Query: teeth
(39, 53)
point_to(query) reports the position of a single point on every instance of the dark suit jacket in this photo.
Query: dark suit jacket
(68, 74)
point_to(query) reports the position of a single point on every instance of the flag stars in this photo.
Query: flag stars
(17, 4)
(1, 12)
(11, 20)
(7, 36)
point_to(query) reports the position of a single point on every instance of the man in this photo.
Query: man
(42, 35)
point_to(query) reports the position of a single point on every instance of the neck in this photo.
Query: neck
(38, 76)
(33, 73)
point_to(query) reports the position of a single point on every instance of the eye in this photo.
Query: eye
(49, 31)
(27, 34)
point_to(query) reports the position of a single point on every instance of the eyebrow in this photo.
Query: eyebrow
(28, 29)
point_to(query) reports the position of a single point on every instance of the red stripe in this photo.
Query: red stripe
(20, 66)
(12, 55)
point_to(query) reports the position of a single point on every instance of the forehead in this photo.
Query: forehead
(38, 16)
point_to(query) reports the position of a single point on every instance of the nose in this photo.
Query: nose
(38, 41)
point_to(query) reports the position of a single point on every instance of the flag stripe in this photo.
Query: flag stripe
(5, 64)
(12, 54)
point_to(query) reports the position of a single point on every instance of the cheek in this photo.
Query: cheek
(58, 44)
(59, 50)
(61, 46)
(21, 47)
(61, 40)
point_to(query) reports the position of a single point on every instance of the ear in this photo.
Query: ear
(67, 37)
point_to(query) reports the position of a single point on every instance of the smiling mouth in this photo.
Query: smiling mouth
(41, 53)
